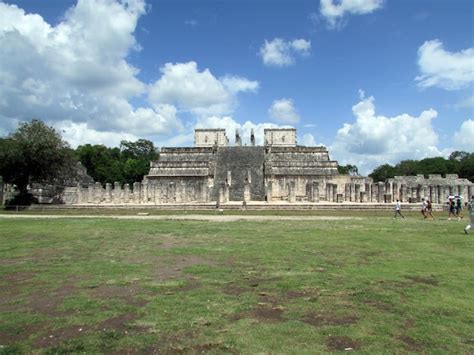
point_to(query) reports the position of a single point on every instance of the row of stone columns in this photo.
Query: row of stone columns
(435, 194)
(140, 193)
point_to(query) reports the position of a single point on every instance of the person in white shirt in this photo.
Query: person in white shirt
(470, 206)
(398, 207)
(423, 207)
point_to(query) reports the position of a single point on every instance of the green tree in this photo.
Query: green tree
(407, 167)
(383, 172)
(466, 167)
(141, 149)
(103, 164)
(34, 153)
(126, 164)
(136, 157)
(348, 169)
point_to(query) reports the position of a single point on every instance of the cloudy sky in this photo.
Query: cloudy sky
(375, 81)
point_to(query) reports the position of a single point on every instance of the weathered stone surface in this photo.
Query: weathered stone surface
(212, 171)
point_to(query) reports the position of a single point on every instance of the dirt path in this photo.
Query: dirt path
(195, 217)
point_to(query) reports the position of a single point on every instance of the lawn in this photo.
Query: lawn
(371, 284)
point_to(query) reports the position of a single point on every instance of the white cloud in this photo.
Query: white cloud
(334, 11)
(308, 140)
(75, 75)
(373, 139)
(79, 133)
(464, 138)
(198, 92)
(237, 84)
(279, 52)
(283, 110)
(444, 69)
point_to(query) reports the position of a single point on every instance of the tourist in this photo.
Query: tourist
(423, 207)
(470, 206)
(459, 208)
(429, 209)
(398, 207)
(451, 208)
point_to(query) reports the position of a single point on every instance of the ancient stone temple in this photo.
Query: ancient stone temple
(279, 171)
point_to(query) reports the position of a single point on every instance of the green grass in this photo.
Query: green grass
(375, 285)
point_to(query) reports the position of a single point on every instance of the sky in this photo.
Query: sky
(375, 81)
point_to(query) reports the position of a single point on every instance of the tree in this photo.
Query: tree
(141, 149)
(34, 153)
(458, 155)
(383, 172)
(126, 164)
(466, 167)
(348, 170)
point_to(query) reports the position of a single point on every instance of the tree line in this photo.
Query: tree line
(459, 162)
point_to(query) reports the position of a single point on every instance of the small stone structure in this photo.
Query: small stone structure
(280, 171)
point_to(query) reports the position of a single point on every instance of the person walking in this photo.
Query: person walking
(459, 208)
(398, 207)
(429, 209)
(452, 208)
(423, 207)
(470, 206)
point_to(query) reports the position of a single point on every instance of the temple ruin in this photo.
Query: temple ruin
(278, 172)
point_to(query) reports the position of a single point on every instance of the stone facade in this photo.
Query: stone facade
(210, 138)
(280, 171)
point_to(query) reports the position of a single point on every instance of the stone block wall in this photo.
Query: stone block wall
(210, 138)
(280, 137)
(239, 166)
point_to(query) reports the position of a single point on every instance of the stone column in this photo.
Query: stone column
(247, 196)
(158, 194)
(418, 195)
(79, 196)
(442, 194)
(357, 193)
(315, 191)
(461, 192)
(269, 191)
(143, 192)
(171, 192)
(352, 192)
(222, 193)
(395, 192)
(90, 193)
(98, 193)
(424, 192)
(381, 189)
(204, 191)
(108, 193)
(292, 192)
(363, 196)
(136, 192)
(117, 193)
(229, 177)
(347, 192)
(334, 192)
(126, 193)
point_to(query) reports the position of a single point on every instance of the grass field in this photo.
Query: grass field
(371, 284)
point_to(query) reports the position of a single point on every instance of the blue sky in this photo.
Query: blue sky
(375, 81)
